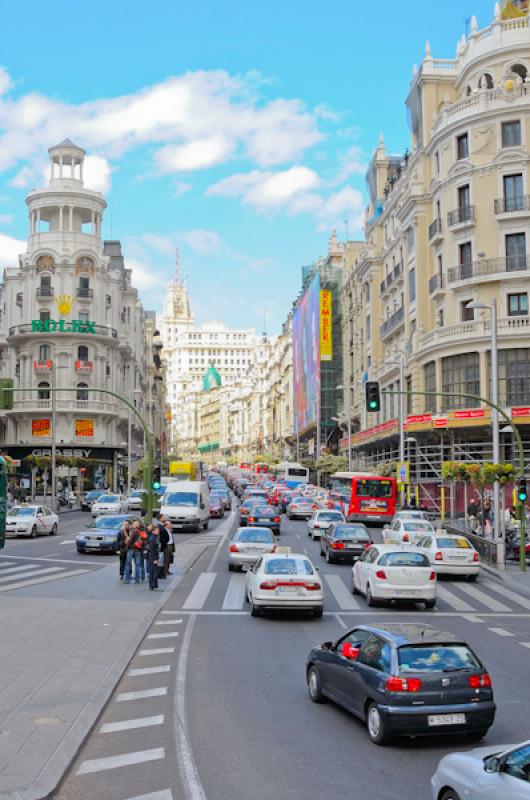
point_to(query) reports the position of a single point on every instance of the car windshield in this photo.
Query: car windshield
(345, 532)
(95, 493)
(256, 536)
(436, 658)
(417, 526)
(22, 512)
(404, 560)
(458, 543)
(110, 522)
(329, 515)
(300, 500)
(109, 498)
(138, 493)
(262, 510)
(374, 488)
(181, 499)
(288, 566)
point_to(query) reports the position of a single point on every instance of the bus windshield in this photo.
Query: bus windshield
(374, 488)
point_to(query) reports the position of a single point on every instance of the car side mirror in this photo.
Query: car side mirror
(349, 651)
(203, 506)
(327, 645)
(492, 764)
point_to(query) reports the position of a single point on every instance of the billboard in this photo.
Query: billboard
(306, 357)
(41, 427)
(84, 427)
(512, 9)
(326, 326)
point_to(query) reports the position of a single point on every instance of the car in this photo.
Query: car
(301, 507)
(344, 541)
(410, 513)
(451, 555)
(26, 520)
(284, 581)
(223, 495)
(136, 500)
(107, 504)
(262, 516)
(394, 572)
(244, 511)
(321, 521)
(102, 535)
(497, 772)
(248, 545)
(404, 679)
(256, 494)
(406, 530)
(88, 498)
(217, 508)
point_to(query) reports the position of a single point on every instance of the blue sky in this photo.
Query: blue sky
(238, 131)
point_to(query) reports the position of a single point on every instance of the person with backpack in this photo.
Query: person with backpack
(121, 546)
(153, 556)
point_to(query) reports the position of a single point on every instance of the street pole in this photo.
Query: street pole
(496, 436)
(129, 455)
(402, 419)
(54, 440)
(349, 427)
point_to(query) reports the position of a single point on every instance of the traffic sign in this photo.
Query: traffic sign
(403, 472)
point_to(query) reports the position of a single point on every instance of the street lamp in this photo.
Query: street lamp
(492, 308)
(349, 389)
(129, 444)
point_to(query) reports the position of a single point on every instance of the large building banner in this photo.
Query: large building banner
(306, 357)
(326, 326)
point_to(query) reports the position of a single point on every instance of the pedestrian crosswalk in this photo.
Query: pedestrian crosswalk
(14, 575)
(225, 592)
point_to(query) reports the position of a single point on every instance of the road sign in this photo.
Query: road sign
(403, 472)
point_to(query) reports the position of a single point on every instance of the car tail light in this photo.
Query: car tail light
(406, 537)
(403, 684)
(234, 548)
(314, 506)
(244, 511)
(432, 576)
(312, 586)
(273, 549)
(439, 556)
(476, 557)
(268, 585)
(337, 545)
(480, 681)
(381, 574)
(367, 545)
(251, 519)
(276, 519)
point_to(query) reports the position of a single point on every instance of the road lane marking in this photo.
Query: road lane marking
(124, 697)
(501, 632)
(340, 621)
(4, 564)
(235, 594)
(60, 559)
(344, 598)
(168, 635)
(483, 598)
(67, 541)
(199, 594)
(471, 618)
(525, 644)
(35, 581)
(125, 760)
(20, 568)
(508, 594)
(132, 724)
(135, 673)
(170, 612)
(156, 651)
(165, 794)
(452, 600)
(169, 622)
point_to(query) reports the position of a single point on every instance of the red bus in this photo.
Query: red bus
(246, 466)
(260, 467)
(367, 498)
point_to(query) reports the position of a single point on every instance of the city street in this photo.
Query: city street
(214, 703)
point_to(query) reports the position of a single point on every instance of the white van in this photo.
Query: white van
(186, 504)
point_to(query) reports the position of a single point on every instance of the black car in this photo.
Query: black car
(404, 680)
(344, 541)
(264, 517)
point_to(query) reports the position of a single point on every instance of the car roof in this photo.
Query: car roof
(252, 530)
(398, 547)
(24, 505)
(286, 555)
(403, 633)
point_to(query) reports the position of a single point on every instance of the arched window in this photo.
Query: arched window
(520, 70)
(486, 81)
(82, 392)
(45, 352)
(44, 391)
(469, 91)
(82, 352)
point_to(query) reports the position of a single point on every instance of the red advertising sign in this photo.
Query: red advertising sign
(41, 427)
(475, 413)
(523, 411)
(418, 419)
(440, 422)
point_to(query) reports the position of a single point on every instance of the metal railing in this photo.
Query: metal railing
(435, 282)
(84, 293)
(435, 228)
(45, 291)
(506, 205)
(461, 214)
(488, 266)
(99, 330)
(393, 322)
(391, 278)
(66, 404)
(486, 548)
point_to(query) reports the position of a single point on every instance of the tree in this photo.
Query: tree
(329, 464)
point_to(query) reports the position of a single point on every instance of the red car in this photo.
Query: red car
(217, 510)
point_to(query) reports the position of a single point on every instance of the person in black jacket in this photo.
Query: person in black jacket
(153, 555)
(163, 538)
(121, 543)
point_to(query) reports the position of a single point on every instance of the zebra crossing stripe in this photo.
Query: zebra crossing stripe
(235, 594)
(452, 600)
(344, 598)
(125, 760)
(199, 594)
(36, 581)
(165, 794)
(482, 597)
(20, 569)
(132, 724)
(517, 598)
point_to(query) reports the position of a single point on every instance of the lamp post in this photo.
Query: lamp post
(349, 390)
(129, 443)
(492, 308)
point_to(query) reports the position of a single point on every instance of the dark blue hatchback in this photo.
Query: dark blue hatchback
(102, 536)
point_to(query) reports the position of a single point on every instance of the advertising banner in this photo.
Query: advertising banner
(306, 357)
(326, 326)
(84, 427)
(41, 427)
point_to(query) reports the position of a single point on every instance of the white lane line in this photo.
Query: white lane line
(4, 564)
(235, 594)
(452, 600)
(156, 651)
(471, 618)
(344, 598)
(169, 622)
(340, 621)
(484, 598)
(20, 568)
(165, 794)
(525, 644)
(135, 673)
(170, 612)
(132, 724)
(61, 560)
(507, 593)
(199, 594)
(124, 697)
(168, 635)
(125, 760)
(67, 541)
(501, 632)
(35, 581)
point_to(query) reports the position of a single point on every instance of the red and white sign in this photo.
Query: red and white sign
(418, 419)
(474, 413)
(440, 422)
(522, 411)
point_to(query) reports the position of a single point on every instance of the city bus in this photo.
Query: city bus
(366, 497)
(291, 473)
(260, 468)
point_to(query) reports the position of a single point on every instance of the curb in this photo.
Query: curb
(54, 770)
(504, 577)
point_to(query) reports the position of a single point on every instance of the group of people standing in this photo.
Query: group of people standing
(149, 548)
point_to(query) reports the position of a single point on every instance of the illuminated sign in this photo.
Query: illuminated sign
(84, 427)
(62, 325)
(41, 427)
(326, 320)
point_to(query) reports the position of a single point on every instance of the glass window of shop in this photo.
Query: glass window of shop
(461, 375)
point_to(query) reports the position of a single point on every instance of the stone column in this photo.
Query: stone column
(61, 217)
(70, 218)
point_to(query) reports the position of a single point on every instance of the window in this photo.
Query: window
(462, 146)
(43, 391)
(82, 352)
(45, 289)
(466, 314)
(514, 376)
(83, 316)
(465, 255)
(368, 328)
(44, 315)
(461, 374)
(439, 261)
(515, 252)
(486, 81)
(518, 304)
(517, 765)
(410, 240)
(45, 352)
(108, 301)
(440, 317)
(429, 379)
(412, 285)
(408, 389)
(356, 637)
(376, 653)
(511, 133)
(464, 199)
(513, 192)
(19, 299)
(437, 162)
(82, 392)
(107, 370)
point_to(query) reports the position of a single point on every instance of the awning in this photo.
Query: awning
(208, 447)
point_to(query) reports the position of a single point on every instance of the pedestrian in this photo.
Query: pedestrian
(135, 547)
(163, 535)
(153, 556)
(121, 546)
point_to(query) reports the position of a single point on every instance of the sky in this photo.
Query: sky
(237, 131)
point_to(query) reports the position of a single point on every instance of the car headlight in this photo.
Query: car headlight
(109, 539)
(79, 538)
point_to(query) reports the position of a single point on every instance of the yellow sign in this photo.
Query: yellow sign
(64, 304)
(326, 326)
(84, 427)
(41, 427)
(513, 9)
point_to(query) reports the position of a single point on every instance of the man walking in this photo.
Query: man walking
(152, 556)
(121, 543)
(163, 536)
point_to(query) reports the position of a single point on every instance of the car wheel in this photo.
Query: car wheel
(317, 612)
(354, 589)
(329, 560)
(322, 552)
(477, 736)
(54, 529)
(450, 794)
(430, 604)
(206, 525)
(375, 725)
(369, 597)
(254, 612)
(230, 567)
(79, 550)
(313, 685)
(472, 578)
(33, 533)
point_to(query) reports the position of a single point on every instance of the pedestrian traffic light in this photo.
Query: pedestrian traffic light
(373, 397)
(522, 492)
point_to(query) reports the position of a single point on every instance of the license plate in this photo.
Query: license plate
(446, 719)
(265, 519)
(407, 592)
(286, 589)
(92, 544)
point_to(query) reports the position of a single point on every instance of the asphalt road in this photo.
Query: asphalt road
(214, 704)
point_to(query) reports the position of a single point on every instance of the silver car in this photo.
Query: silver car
(322, 520)
(248, 545)
(497, 772)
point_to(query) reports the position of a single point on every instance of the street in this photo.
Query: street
(214, 703)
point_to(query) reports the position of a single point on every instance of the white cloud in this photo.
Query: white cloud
(10, 249)
(97, 171)
(6, 219)
(202, 241)
(145, 276)
(267, 190)
(347, 204)
(352, 163)
(199, 154)
(5, 81)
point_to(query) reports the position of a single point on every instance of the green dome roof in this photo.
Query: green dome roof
(211, 380)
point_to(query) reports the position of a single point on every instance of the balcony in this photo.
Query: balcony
(37, 405)
(44, 292)
(436, 284)
(435, 231)
(512, 205)
(84, 293)
(393, 322)
(393, 277)
(474, 329)
(43, 366)
(486, 267)
(84, 366)
(463, 215)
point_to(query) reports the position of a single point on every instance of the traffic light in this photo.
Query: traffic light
(373, 397)
(522, 492)
(156, 478)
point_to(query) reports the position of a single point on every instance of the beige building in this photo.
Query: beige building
(448, 224)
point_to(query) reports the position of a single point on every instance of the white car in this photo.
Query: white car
(248, 545)
(406, 531)
(135, 501)
(284, 580)
(394, 572)
(107, 504)
(410, 513)
(322, 520)
(31, 521)
(497, 772)
(451, 555)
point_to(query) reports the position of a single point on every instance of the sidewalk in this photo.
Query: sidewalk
(64, 647)
(512, 576)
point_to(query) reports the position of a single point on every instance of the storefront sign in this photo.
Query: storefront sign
(521, 412)
(84, 427)
(326, 326)
(440, 422)
(418, 419)
(62, 325)
(475, 413)
(41, 427)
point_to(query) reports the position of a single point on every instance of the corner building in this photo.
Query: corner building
(449, 223)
